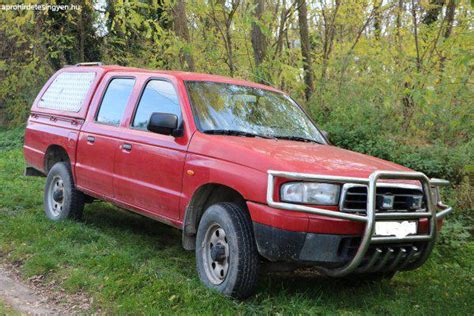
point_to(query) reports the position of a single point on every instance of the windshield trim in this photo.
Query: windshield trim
(197, 122)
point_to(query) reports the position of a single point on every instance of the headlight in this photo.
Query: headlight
(310, 193)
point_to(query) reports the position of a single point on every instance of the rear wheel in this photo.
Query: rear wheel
(61, 199)
(226, 253)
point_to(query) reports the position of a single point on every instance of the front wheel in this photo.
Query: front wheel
(226, 254)
(61, 199)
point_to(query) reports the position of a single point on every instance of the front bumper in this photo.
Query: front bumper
(332, 251)
(279, 245)
(369, 252)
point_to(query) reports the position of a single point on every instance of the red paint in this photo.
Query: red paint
(299, 221)
(159, 176)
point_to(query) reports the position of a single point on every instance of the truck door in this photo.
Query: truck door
(149, 166)
(99, 137)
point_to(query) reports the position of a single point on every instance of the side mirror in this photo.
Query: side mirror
(163, 123)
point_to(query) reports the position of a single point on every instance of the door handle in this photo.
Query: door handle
(90, 139)
(127, 147)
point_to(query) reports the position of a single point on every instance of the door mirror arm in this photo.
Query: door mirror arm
(178, 132)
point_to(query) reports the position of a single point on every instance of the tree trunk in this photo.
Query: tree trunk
(82, 35)
(259, 43)
(305, 48)
(407, 100)
(329, 33)
(450, 10)
(110, 9)
(281, 29)
(377, 20)
(328, 40)
(230, 54)
(181, 30)
(415, 33)
(433, 12)
(226, 34)
(399, 26)
(449, 18)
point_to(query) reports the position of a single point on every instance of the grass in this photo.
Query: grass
(7, 310)
(132, 265)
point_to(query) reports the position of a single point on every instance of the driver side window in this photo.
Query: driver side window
(158, 96)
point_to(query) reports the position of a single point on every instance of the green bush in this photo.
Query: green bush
(19, 88)
(12, 138)
(356, 121)
(437, 160)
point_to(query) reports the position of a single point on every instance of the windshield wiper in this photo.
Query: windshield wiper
(231, 132)
(298, 139)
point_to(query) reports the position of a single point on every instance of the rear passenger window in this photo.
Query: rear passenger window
(158, 96)
(115, 101)
(67, 92)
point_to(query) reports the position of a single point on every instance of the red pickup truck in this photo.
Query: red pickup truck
(239, 167)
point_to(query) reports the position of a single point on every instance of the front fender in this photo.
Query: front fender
(200, 170)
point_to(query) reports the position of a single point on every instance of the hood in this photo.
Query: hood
(292, 156)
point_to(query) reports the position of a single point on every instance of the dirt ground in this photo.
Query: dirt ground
(36, 297)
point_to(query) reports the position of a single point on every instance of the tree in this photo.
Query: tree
(433, 11)
(223, 17)
(259, 41)
(305, 48)
(377, 19)
(450, 11)
(181, 30)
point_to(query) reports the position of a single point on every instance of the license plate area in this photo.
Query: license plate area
(399, 229)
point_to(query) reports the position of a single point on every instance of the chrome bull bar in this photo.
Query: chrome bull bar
(371, 216)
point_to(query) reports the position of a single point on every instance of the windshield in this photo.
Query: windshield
(223, 108)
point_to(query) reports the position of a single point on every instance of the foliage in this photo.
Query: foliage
(12, 138)
(456, 234)
(368, 134)
(381, 87)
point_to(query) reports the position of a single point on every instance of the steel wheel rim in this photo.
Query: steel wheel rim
(216, 260)
(56, 196)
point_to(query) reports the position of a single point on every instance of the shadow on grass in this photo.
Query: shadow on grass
(305, 284)
(110, 218)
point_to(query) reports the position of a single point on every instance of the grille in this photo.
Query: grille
(404, 199)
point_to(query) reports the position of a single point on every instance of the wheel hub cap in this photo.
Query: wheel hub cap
(215, 254)
(56, 196)
(218, 252)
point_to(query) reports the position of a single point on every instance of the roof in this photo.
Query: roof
(185, 76)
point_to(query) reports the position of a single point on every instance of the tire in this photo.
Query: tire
(61, 199)
(227, 226)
